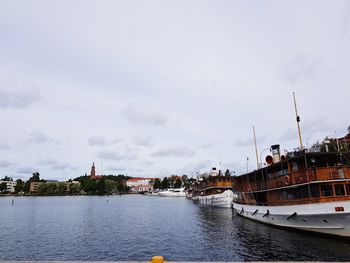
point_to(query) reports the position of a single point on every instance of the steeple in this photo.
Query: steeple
(93, 171)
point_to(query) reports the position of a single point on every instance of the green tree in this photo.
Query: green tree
(42, 189)
(51, 188)
(178, 183)
(120, 187)
(100, 186)
(110, 186)
(60, 188)
(74, 188)
(157, 184)
(3, 188)
(6, 178)
(19, 186)
(165, 183)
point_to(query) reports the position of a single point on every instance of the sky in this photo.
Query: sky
(155, 88)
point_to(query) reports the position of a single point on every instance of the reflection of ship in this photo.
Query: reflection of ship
(173, 192)
(214, 189)
(308, 189)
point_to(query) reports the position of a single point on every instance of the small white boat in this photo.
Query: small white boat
(173, 192)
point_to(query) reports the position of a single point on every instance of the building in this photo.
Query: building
(140, 184)
(33, 188)
(93, 175)
(10, 186)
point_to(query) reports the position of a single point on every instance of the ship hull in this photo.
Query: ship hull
(320, 217)
(218, 200)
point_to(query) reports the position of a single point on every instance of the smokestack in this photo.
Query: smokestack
(276, 155)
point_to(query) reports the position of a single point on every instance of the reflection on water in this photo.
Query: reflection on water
(138, 227)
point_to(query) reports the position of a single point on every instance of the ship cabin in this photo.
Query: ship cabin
(213, 183)
(301, 177)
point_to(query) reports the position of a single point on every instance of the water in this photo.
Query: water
(136, 227)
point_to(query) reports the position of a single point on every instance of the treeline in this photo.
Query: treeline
(108, 184)
(173, 181)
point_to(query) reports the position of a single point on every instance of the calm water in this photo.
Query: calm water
(137, 227)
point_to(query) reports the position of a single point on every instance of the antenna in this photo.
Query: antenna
(298, 120)
(256, 149)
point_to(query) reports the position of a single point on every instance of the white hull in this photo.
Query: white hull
(319, 217)
(173, 193)
(218, 200)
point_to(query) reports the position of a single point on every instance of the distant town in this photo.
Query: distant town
(90, 184)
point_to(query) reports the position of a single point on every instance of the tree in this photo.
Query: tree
(157, 184)
(227, 172)
(19, 186)
(74, 188)
(165, 183)
(100, 186)
(178, 183)
(60, 188)
(109, 186)
(6, 178)
(349, 129)
(3, 187)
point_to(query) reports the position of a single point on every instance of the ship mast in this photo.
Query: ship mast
(298, 120)
(256, 149)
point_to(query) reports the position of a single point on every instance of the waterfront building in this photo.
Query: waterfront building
(33, 188)
(140, 184)
(10, 186)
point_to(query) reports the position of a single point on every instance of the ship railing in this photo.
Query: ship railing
(298, 177)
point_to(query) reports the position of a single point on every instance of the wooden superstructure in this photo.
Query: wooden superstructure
(300, 178)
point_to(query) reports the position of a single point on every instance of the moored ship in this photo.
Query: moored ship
(214, 189)
(305, 190)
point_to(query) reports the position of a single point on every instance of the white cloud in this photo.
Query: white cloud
(174, 152)
(102, 141)
(12, 96)
(41, 138)
(143, 118)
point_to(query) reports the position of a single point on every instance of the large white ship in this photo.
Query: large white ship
(308, 190)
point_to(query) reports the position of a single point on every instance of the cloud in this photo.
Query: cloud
(4, 164)
(206, 145)
(55, 165)
(4, 146)
(126, 154)
(26, 170)
(117, 168)
(198, 166)
(14, 97)
(143, 140)
(41, 138)
(175, 152)
(249, 142)
(142, 118)
(302, 67)
(101, 141)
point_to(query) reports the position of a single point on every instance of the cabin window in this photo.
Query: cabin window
(326, 190)
(314, 190)
(341, 173)
(294, 166)
(301, 192)
(347, 186)
(339, 189)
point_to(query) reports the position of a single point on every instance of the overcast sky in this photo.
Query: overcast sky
(154, 88)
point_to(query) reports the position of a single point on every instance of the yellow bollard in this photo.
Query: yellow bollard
(157, 259)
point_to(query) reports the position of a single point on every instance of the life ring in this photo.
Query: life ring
(286, 180)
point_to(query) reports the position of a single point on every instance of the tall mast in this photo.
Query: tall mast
(298, 120)
(256, 149)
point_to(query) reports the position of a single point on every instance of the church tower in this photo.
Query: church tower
(93, 171)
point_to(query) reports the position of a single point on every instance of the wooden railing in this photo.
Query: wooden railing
(298, 177)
